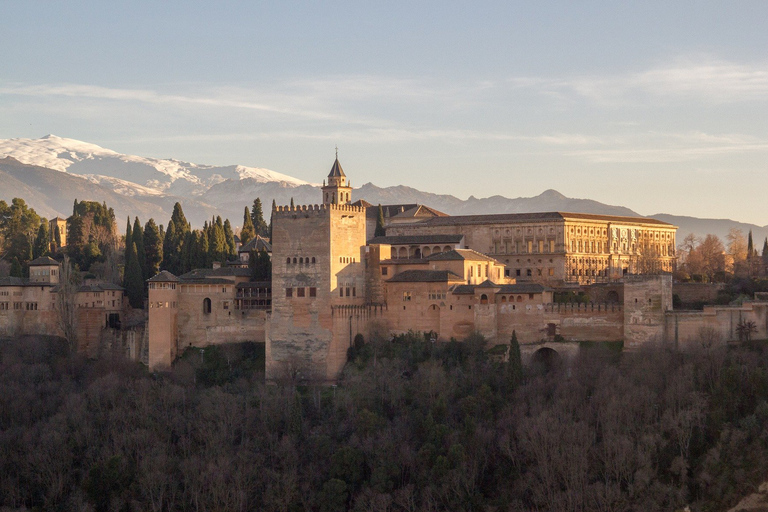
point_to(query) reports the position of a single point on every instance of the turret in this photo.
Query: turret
(338, 189)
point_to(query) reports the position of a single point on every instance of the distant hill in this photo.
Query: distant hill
(51, 172)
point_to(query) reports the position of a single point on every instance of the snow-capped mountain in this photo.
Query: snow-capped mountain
(119, 172)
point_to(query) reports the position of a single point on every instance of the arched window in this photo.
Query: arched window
(301, 261)
(294, 261)
(288, 261)
(483, 299)
(503, 298)
(206, 305)
(313, 259)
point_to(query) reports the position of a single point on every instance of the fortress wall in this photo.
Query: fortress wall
(574, 322)
(696, 292)
(688, 329)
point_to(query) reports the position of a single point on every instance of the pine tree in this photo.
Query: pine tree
(257, 217)
(138, 239)
(229, 236)
(380, 223)
(133, 282)
(42, 244)
(153, 248)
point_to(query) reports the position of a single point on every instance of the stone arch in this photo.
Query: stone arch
(402, 252)
(483, 299)
(545, 359)
(426, 252)
(446, 248)
(417, 253)
(612, 296)
(207, 306)
(313, 259)
(436, 249)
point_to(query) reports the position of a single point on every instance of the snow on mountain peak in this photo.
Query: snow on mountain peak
(151, 174)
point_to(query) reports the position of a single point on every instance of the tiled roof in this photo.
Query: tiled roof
(164, 276)
(336, 170)
(488, 284)
(16, 281)
(425, 276)
(209, 280)
(204, 273)
(461, 254)
(503, 218)
(99, 287)
(522, 288)
(257, 243)
(420, 211)
(463, 289)
(416, 239)
(43, 260)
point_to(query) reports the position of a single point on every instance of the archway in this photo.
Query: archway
(206, 305)
(544, 360)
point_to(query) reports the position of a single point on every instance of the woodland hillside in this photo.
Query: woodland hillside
(411, 426)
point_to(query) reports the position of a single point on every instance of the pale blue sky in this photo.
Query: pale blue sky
(658, 106)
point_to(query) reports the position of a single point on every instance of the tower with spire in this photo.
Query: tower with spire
(338, 190)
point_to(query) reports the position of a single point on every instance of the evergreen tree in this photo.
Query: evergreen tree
(153, 248)
(189, 252)
(261, 266)
(274, 207)
(257, 217)
(229, 236)
(750, 246)
(16, 270)
(178, 227)
(217, 243)
(138, 239)
(133, 282)
(380, 223)
(42, 244)
(247, 232)
(515, 362)
(292, 203)
(56, 239)
(765, 251)
(128, 256)
(202, 250)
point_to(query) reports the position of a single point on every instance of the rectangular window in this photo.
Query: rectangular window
(517, 272)
(551, 271)
(406, 296)
(384, 270)
(530, 246)
(551, 246)
(341, 291)
(541, 245)
(300, 291)
(354, 291)
(312, 291)
(347, 291)
(289, 292)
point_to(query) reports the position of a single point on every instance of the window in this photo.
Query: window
(288, 261)
(406, 296)
(551, 271)
(313, 260)
(288, 292)
(530, 246)
(225, 305)
(341, 291)
(528, 272)
(483, 299)
(312, 291)
(300, 291)
(206, 305)
(347, 291)
(384, 271)
(517, 272)
(541, 245)
(354, 291)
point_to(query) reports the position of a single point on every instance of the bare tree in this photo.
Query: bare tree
(66, 302)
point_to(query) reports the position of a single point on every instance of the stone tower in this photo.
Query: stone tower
(162, 325)
(338, 190)
(647, 300)
(318, 282)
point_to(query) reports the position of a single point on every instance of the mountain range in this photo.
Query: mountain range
(51, 172)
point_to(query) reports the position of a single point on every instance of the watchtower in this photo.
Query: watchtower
(338, 190)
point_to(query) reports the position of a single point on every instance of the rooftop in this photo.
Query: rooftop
(416, 239)
(43, 261)
(257, 243)
(461, 254)
(502, 218)
(425, 276)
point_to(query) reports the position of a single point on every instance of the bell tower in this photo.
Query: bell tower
(338, 190)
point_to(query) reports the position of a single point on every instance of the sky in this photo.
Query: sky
(658, 106)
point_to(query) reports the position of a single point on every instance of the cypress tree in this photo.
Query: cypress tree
(168, 256)
(217, 243)
(515, 362)
(202, 250)
(153, 248)
(16, 270)
(128, 239)
(133, 282)
(261, 266)
(257, 217)
(292, 202)
(42, 245)
(765, 251)
(274, 207)
(178, 227)
(129, 255)
(750, 246)
(229, 236)
(57, 239)
(247, 232)
(380, 223)
(141, 256)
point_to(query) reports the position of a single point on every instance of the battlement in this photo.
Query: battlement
(317, 208)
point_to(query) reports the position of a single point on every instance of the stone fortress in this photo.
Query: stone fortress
(448, 276)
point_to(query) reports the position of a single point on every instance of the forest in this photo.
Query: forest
(411, 425)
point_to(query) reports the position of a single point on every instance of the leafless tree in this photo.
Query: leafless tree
(66, 302)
